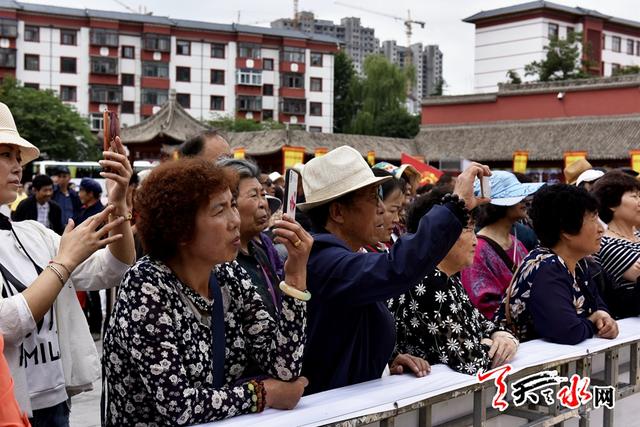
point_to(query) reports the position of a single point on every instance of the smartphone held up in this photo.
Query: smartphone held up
(111, 129)
(291, 192)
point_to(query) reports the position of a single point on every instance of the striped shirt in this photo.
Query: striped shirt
(616, 256)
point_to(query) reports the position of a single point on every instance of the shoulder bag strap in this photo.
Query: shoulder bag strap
(500, 251)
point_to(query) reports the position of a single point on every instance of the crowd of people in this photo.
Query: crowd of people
(226, 306)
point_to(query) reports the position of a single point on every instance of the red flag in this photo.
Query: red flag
(428, 174)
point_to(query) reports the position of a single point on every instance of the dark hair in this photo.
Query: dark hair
(173, 194)
(609, 191)
(193, 146)
(40, 181)
(558, 209)
(489, 214)
(135, 179)
(390, 185)
(522, 178)
(320, 214)
(424, 189)
(421, 206)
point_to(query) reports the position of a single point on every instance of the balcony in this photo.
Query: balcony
(105, 94)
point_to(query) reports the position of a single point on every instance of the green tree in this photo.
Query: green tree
(54, 127)
(438, 90)
(344, 108)
(562, 60)
(514, 77)
(380, 101)
(629, 69)
(232, 124)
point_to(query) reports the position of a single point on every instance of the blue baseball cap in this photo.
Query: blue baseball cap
(506, 190)
(91, 185)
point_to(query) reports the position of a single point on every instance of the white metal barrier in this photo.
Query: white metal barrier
(384, 400)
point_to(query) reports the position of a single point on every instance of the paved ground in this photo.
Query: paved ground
(85, 407)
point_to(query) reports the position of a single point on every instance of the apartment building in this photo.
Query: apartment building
(129, 62)
(511, 37)
(357, 41)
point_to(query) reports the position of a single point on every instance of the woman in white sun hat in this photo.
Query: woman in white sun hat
(499, 252)
(48, 345)
(351, 333)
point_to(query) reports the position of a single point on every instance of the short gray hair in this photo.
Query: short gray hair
(245, 168)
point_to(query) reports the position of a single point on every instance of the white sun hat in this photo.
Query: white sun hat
(9, 135)
(339, 172)
(589, 175)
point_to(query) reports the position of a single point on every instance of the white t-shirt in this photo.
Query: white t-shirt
(40, 351)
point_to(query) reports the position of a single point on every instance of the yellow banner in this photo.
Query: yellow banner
(319, 152)
(238, 153)
(635, 160)
(292, 156)
(371, 158)
(573, 156)
(520, 161)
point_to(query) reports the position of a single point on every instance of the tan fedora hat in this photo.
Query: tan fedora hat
(339, 172)
(573, 171)
(9, 135)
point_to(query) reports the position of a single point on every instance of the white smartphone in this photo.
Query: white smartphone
(485, 187)
(290, 192)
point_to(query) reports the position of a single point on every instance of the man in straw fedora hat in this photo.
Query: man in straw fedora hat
(48, 346)
(351, 333)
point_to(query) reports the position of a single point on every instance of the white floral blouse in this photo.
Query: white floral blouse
(157, 353)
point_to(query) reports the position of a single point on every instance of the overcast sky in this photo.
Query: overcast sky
(443, 18)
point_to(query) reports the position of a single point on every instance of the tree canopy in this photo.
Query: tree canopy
(54, 127)
(562, 60)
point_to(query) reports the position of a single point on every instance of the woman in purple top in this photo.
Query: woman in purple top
(498, 252)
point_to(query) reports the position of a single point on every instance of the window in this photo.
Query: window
(155, 96)
(105, 94)
(315, 129)
(68, 93)
(156, 42)
(249, 50)
(183, 47)
(638, 48)
(316, 59)
(103, 65)
(630, 45)
(315, 84)
(127, 80)
(8, 28)
(249, 77)
(35, 86)
(604, 42)
(97, 121)
(127, 107)
(32, 62)
(155, 69)
(315, 108)
(249, 103)
(553, 31)
(217, 77)
(293, 106)
(217, 50)
(217, 103)
(8, 58)
(267, 114)
(292, 80)
(184, 99)
(103, 37)
(267, 64)
(183, 74)
(293, 54)
(616, 44)
(31, 33)
(267, 90)
(128, 52)
(68, 65)
(68, 37)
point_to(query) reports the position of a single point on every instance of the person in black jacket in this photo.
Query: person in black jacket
(65, 196)
(39, 206)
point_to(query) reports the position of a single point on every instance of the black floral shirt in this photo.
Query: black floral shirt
(157, 353)
(435, 320)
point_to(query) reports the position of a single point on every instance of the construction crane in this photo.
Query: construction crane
(408, 22)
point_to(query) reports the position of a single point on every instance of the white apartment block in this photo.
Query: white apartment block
(129, 62)
(512, 37)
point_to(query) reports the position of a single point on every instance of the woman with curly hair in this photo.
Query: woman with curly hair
(182, 335)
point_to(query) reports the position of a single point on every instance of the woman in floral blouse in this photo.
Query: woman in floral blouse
(161, 360)
(553, 295)
(437, 321)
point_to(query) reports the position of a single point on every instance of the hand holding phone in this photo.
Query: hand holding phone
(111, 129)
(291, 193)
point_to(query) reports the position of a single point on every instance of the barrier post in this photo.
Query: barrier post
(424, 416)
(479, 408)
(610, 378)
(583, 368)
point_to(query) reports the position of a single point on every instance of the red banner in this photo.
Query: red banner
(428, 174)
